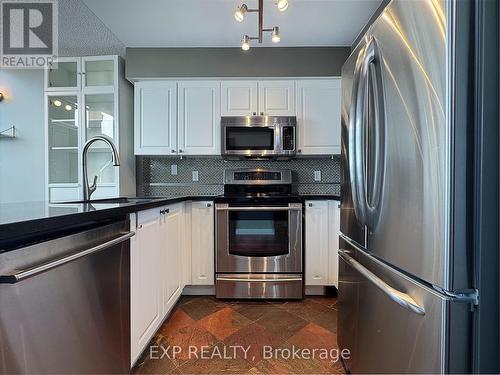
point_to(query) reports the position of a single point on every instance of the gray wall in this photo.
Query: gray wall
(154, 174)
(22, 166)
(234, 62)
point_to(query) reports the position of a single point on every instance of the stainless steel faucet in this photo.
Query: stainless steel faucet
(88, 190)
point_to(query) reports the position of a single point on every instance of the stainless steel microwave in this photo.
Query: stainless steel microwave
(258, 136)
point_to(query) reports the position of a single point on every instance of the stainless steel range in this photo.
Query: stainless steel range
(258, 236)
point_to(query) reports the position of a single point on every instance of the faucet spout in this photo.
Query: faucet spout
(88, 190)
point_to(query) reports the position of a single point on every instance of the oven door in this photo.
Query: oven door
(250, 140)
(259, 239)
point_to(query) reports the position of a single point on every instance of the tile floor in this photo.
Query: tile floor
(204, 335)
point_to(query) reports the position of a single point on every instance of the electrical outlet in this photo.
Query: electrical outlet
(173, 169)
(195, 176)
(317, 175)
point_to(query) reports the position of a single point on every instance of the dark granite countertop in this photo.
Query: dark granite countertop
(27, 222)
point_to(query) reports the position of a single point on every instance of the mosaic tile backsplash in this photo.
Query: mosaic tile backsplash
(155, 178)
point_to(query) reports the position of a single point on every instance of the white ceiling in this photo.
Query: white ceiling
(210, 23)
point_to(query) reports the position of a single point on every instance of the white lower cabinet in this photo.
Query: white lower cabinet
(145, 279)
(202, 243)
(173, 246)
(171, 228)
(322, 226)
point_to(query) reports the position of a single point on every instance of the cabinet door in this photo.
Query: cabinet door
(171, 246)
(64, 138)
(199, 118)
(155, 118)
(145, 280)
(334, 232)
(277, 98)
(99, 71)
(202, 243)
(99, 116)
(317, 242)
(318, 116)
(239, 98)
(65, 75)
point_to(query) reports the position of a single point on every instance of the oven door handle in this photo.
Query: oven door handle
(258, 280)
(258, 208)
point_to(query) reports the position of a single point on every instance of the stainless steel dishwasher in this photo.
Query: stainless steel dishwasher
(64, 304)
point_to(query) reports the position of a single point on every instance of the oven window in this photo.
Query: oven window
(240, 138)
(258, 233)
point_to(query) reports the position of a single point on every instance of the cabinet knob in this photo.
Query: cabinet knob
(180, 151)
(167, 211)
(254, 113)
(299, 151)
(172, 151)
(139, 226)
(209, 204)
(262, 113)
(310, 204)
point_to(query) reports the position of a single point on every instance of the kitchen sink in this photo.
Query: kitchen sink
(112, 200)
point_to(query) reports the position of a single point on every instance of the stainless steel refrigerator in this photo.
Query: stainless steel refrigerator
(406, 282)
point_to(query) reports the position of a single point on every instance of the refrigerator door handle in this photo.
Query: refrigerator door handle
(355, 139)
(400, 298)
(373, 72)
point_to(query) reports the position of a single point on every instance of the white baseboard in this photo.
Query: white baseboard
(199, 290)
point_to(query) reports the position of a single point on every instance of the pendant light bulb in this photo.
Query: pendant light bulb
(245, 43)
(239, 15)
(276, 35)
(282, 5)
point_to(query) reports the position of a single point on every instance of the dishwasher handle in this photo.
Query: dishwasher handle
(18, 275)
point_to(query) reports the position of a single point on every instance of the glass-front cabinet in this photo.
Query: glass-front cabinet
(100, 120)
(82, 97)
(63, 138)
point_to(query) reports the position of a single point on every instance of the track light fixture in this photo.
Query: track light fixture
(245, 43)
(282, 5)
(239, 16)
(276, 35)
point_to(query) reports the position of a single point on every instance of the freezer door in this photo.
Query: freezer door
(391, 324)
(350, 224)
(406, 129)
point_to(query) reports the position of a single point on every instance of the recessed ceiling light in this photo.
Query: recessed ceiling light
(57, 103)
(68, 107)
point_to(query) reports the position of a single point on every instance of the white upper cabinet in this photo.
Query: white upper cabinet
(277, 98)
(155, 112)
(199, 117)
(316, 242)
(202, 243)
(318, 116)
(239, 98)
